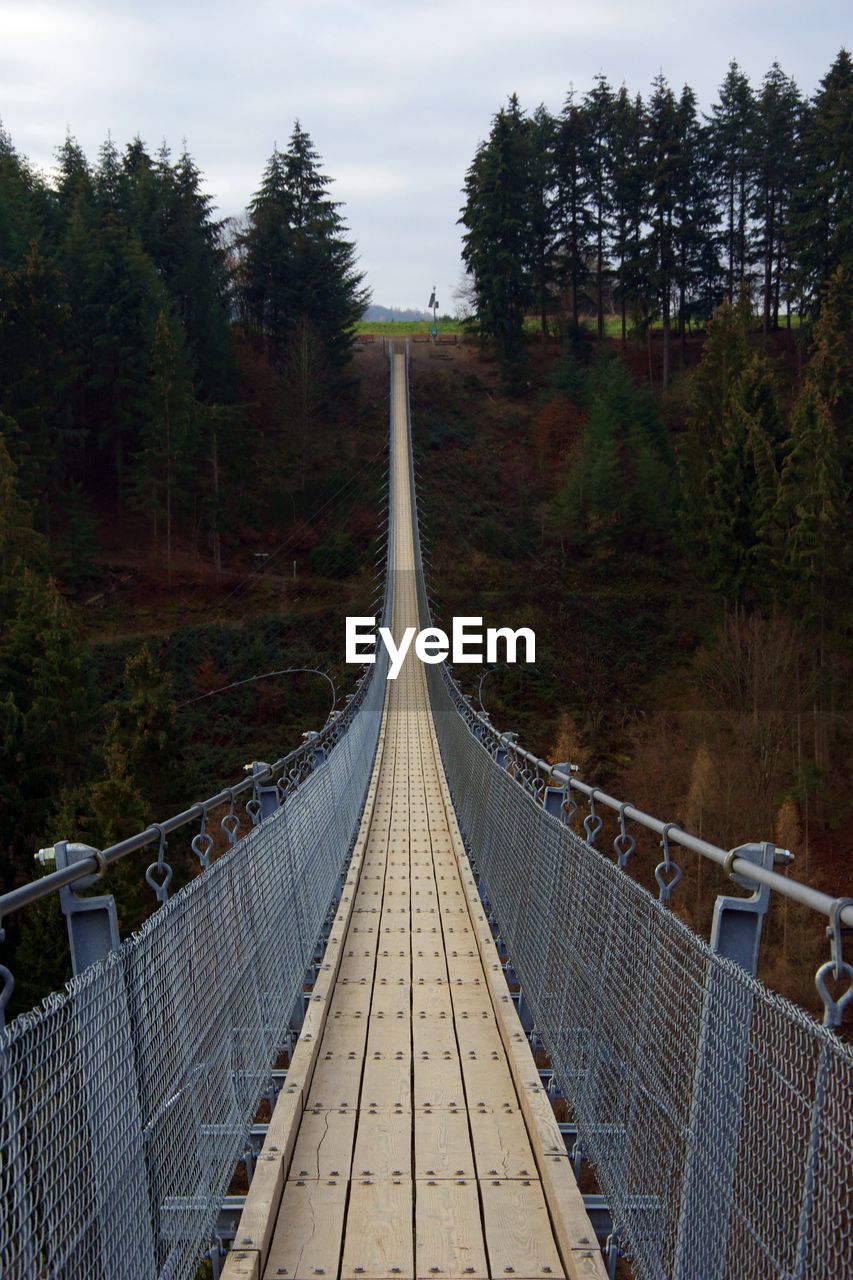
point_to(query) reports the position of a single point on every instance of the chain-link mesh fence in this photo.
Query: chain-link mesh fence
(126, 1099)
(716, 1113)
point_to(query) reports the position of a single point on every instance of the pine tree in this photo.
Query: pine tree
(542, 213)
(697, 269)
(298, 261)
(143, 729)
(629, 196)
(814, 557)
(822, 216)
(777, 144)
(572, 207)
(36, 375)
(497, 246)
(732, 140)
(723, 359)
(663, 158)
(165, 438)
(48, 714)
(598, 108)
(742, 483)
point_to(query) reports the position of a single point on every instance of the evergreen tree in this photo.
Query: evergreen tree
(696, 264)
(732, 142)
(542, 213)
(497, 246)
(723, 360)
(777, 143)
(47, 720)
(663, 158)
(572, 207)
(298, 261)
(598, 108)
(629, 196)
(822, 215)
(36, 375)
(25, 205)
(143, 729)
(742, 483)
(163, 458)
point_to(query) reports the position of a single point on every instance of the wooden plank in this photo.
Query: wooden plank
(501, 1144)
(464, 964)
(572, 1227)
(432, 1002)
(391, 1003)
(257, 1220)
(433, 1037)
(383, 1144)
(438, 1080)
(241, 1265)
(387, 1080)
(350, 998)
(471, 1000)
(324, 1144)
(481, 1037)
(284, 1124)
(518, 1230)
(378, 1235)
(307, 1240)
(448, 1230)
(488, 1080)
(344, 1036)
(335, 1083)
(443, 1143)
(388, 1037)
(428, 964)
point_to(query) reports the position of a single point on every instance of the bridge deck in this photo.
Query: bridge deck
(413, 1138)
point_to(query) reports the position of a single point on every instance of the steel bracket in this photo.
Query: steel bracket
(92, 922)
(737, 922)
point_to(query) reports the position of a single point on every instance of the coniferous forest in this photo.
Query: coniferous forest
(641, 447)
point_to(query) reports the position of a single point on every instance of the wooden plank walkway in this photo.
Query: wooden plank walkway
(413, 1139)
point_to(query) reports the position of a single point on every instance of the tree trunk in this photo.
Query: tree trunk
(217, 538)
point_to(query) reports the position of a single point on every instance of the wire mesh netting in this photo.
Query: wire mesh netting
(126, 1099)
(716, 1113)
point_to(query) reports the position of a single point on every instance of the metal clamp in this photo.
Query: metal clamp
(202, 843)
(160, 867)
(593, 822)
(625, 843)
(230, 823)
(667, 873)
(837, 966)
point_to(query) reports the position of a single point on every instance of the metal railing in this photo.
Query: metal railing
(126, 1100)
(716, 1113)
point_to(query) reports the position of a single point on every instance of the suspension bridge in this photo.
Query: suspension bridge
(411, 922)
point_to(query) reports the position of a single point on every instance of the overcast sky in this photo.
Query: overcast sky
(395, 93)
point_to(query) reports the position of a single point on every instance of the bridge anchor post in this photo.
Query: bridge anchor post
(92, 923)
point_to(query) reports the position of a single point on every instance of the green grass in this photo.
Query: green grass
(400, 327)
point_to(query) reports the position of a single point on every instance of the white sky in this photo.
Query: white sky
(395, 95)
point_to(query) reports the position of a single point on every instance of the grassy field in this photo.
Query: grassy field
(398, 328)
(401, 328)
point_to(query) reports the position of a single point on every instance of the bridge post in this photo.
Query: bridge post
(716, 1112)
(92, 923)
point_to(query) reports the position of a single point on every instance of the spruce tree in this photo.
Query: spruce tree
(598, 108)
(629, 199)
(663, 158)
(777, 143)
(497, 246)
(822, 214)
(572, 201)
(732, 141)
(298, 261)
